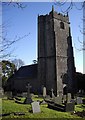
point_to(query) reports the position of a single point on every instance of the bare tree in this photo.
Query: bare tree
(68, 5)
(15, 4)
(6, 43)
(18, 63)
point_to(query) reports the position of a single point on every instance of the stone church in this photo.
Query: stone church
(55, 69)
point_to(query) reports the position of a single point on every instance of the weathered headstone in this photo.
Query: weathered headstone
(68, 97)
(80, 91)
(79, 100)
(24, 94)
(44, 91)
(35, 107)
(69, 107)
(60, 94)
(64, 98)
(58, 100)
(28, 99)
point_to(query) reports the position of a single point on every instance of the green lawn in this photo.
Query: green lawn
(9, 106)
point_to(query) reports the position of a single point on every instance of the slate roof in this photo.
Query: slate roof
(29, 71)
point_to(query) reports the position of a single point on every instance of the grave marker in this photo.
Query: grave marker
(35, 107)
(64, 98)
(68, 97)
(79, 100)
(58, 100)
(44, 91)
(69, 107)
(52, 94)
(28, 99)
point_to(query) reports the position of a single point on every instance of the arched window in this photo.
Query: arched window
(61, 25)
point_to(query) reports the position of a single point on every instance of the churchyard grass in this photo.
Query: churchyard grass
(9, 106)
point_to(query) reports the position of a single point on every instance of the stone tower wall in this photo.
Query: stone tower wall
(61, 49)
(46, 53)
(55, 53)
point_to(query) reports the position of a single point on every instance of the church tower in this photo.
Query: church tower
(55, 53)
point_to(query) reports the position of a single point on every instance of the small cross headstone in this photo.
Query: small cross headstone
(52, 94)
(44, 91)
(35, 107)
(79, 100)
(28, 90)
(28, 99)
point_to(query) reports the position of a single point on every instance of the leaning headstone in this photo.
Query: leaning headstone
(68, 97)
(28, 99)
(35, 107)
(44, 91)
(79, 100)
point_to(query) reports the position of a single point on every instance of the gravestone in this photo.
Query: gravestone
(24, 94)
(69, 107)
(79, 100)
(73, 101)
(28, 99)
(57, 100)
(80, 91)
(60, 94)
(44, 91)
(35, 107)
(52, 94)
(9, 94)
(68, 97)
(43, 102)
(1, 92)
(48, 97)
(64, 98)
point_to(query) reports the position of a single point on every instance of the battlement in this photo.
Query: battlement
(55, 15)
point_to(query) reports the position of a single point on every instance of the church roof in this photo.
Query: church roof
(29, 71)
